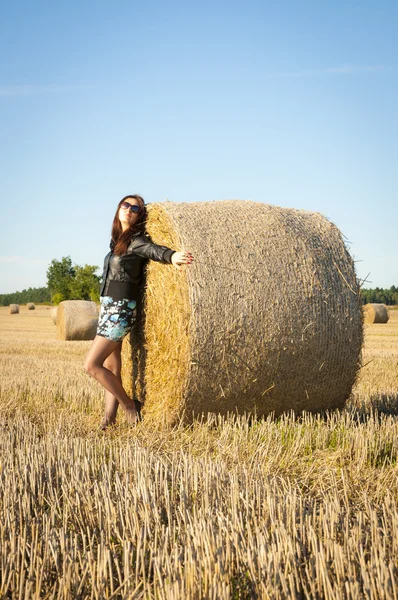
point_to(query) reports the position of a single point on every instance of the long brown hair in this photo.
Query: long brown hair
(121, 239)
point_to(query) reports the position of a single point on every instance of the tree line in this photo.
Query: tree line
(74, 282)
(64, 282)
(37, 295)
(380, 295)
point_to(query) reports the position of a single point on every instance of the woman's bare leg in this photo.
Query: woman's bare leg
(99, 351)
(114, 364)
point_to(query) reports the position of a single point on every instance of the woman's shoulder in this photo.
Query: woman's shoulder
(139, 240)
(141, 235)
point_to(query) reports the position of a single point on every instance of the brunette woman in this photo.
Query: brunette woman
(121, 287)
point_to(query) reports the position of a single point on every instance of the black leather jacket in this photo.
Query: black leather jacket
(122, 275)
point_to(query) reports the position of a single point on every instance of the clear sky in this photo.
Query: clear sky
(292, 103)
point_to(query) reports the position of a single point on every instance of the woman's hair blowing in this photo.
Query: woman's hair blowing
(121, 239)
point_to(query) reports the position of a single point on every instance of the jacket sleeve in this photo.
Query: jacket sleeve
(143, 246)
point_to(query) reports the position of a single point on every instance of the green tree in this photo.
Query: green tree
(30, 295)
(60, 275)
(85, 284)
(394, 294)
(385, 296)
(57, 298)
(64, 281)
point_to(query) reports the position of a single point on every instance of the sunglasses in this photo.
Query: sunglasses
(132, 207)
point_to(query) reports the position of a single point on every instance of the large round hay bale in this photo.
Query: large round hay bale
(30, 306)
(53, 314)
(77, 320)
(375, 313)
(14, 309)
(267, 318)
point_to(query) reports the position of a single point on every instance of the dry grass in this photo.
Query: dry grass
(378, 379)
(225, 508)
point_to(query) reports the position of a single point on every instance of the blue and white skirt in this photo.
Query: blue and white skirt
(116, 318)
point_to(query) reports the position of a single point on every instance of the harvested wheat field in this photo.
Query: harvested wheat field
(225, 508)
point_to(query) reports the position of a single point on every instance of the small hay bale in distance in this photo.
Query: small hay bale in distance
(14, 309)
(375, 313)
(53, 314)
(266, 319)
(77, 320)
(30, 306)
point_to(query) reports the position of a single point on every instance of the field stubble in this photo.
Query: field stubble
(226, 508)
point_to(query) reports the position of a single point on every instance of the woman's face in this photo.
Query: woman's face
(126, 216)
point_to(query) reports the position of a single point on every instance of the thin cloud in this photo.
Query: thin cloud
(23, 260)
(339, 70)
(34, 90)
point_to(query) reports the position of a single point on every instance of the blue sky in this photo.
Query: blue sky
(288, 103)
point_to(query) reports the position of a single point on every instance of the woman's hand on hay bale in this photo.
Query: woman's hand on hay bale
(180, 258)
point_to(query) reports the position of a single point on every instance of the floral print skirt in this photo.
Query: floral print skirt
(116, 318)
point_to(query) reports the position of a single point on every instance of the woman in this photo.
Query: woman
(120, 291)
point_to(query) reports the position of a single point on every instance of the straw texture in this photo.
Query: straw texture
(375, 313)
(267, 318)
(14, 309)
(30, 306)
(53, 314)
(77, 320)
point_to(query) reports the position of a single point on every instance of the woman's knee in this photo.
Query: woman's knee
(102, 353)
(91, 368)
